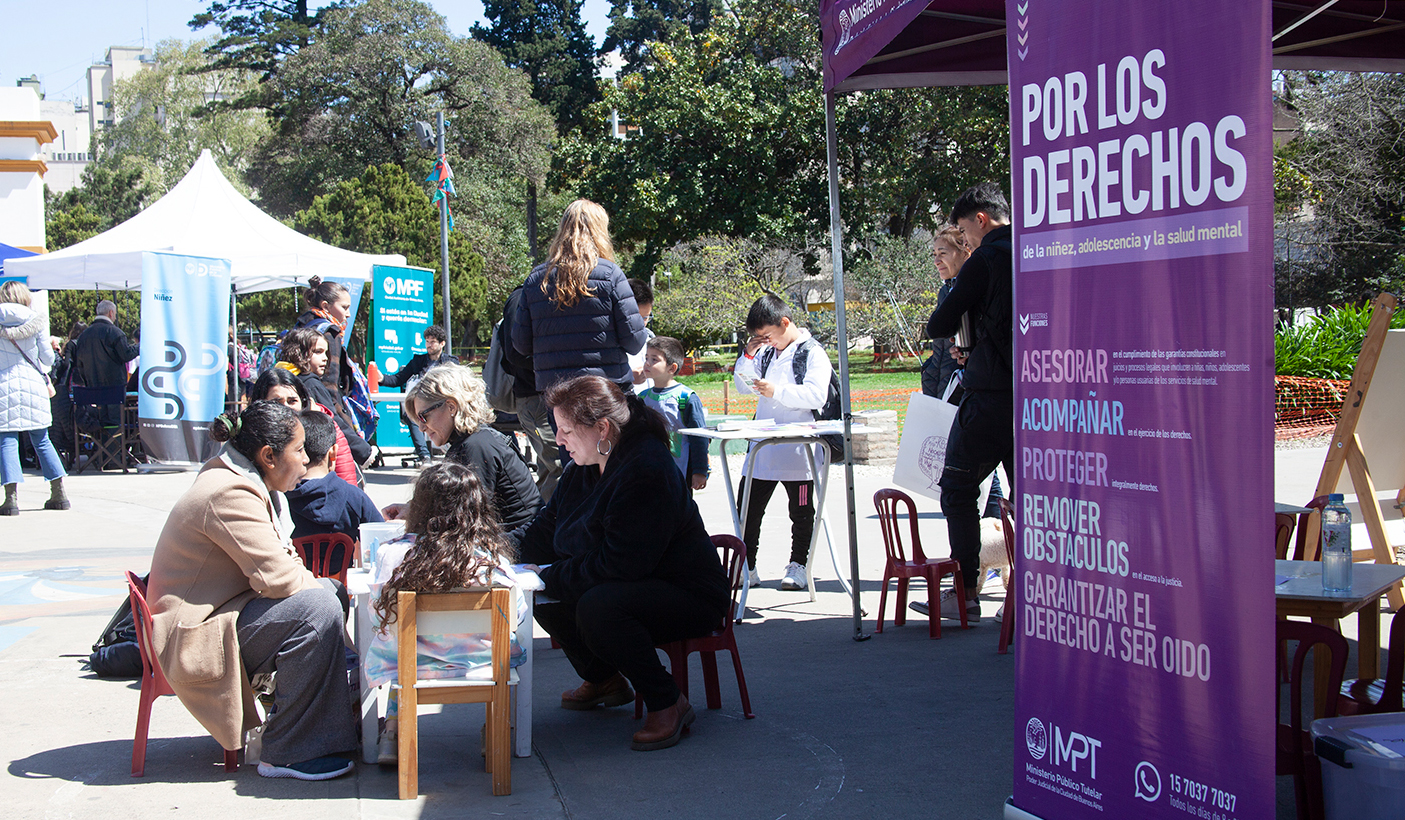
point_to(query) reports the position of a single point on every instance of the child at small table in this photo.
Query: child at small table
(324, 502)
(452, 541)
(679, 405)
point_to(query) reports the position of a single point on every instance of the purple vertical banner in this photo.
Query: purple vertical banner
(1142, 208)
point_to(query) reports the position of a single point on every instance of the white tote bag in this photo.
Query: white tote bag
(922, 450)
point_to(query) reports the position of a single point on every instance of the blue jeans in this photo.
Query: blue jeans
(10, 456)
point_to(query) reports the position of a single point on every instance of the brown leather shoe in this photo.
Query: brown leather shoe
(665, 727)
(587, 696)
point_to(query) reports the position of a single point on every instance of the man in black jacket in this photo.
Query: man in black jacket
(983, 436)
(434, 344)
(100, 358)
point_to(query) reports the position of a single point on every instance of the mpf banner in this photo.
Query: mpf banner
(184, 354)
(1141, 151)
(401, 308)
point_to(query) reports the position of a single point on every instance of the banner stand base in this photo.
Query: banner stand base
(1012, 813)
(167, 467)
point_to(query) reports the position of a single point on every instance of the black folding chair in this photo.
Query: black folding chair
(99, 427)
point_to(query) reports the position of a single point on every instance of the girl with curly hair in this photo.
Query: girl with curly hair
(452, 541)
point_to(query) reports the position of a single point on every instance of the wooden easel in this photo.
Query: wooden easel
(1345, 449)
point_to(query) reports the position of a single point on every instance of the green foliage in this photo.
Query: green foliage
(69, 225)
(386, 211)
(703, 288)
(162, 123)
(728, 140)
(374, 67)
(547, 40)
(637, 24)
(906, 154)
(256, 35)
(1326, 347)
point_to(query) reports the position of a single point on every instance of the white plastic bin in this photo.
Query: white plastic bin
(1363, 765)
(373, 535)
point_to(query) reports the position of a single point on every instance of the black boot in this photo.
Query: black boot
(11, 505)
(57, 499)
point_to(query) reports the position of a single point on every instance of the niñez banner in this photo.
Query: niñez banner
(184, 354)
(1141, 140)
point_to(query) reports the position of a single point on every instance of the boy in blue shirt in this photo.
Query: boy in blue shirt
(323, 502)
(679, 405)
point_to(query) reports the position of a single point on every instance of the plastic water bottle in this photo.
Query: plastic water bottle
(1336, 545)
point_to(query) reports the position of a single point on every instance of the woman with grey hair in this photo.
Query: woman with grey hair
(452, 410)
(26, 355)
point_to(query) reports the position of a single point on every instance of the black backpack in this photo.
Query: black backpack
(832, 409)
(116, 654)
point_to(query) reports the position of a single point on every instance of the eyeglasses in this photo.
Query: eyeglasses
(423, 415)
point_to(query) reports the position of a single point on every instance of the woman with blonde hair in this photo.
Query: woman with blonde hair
(26, 355)
(949, 253)
(451, 408)
(577, 315)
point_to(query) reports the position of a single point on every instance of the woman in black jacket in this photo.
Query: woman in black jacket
(623, 550)
(577, 314)
(303, 352)
(449, 404)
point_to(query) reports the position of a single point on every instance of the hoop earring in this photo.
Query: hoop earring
(604, 452)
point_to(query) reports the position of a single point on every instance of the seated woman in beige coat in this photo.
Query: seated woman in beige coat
(230, 600)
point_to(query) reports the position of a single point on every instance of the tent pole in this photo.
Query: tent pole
(836, 251)
(232, 399)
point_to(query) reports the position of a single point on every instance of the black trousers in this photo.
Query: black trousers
(802, 516)
(982, 438)
(615, 626)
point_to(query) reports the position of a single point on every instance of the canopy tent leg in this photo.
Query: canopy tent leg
(836, 249)
(231, 399)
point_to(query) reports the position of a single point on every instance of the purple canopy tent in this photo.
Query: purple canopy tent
(872, 44)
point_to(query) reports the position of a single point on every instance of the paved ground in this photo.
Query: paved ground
(895, 726)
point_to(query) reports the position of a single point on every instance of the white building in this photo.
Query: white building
(122, 62)
(23, 132)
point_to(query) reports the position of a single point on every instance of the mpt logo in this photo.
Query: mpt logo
(1072, 748)
(403, 287)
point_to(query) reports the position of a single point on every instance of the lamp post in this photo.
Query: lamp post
(429, 139)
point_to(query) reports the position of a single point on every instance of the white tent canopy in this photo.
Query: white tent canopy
(202, 216)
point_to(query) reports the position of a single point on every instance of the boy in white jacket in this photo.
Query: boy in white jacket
(768, 368)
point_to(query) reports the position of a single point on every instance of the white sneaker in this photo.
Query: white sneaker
(388, 749)
(795, 577)
(951, 608)
(753, 578)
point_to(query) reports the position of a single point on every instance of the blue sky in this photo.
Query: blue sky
(60, 47)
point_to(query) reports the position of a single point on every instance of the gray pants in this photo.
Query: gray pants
(534, 418)
(300, 638)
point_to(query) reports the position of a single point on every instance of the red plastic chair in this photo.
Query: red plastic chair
(153, 682)
(1371, 696)
(707, 647)
(327, 555)
(1295, 755)
(1007, 619)
(920, 566)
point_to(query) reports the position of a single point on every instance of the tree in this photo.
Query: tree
(386, 211)
(352, 97)
(892, 288)
(906, 154)
(257, 35)
(1351, 207)
(547, 40)
(705, 287)
(635, 24)
(162, 123)
(728, 139)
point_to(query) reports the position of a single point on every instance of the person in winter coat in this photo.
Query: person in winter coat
(102, 351)
(450, 406)
(25, 358)
(623, 551)
(304, 354)
(230, 600)
(577, 315)
(328, 311)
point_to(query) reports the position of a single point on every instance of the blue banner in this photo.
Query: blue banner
(184, 359)
(401, 308)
